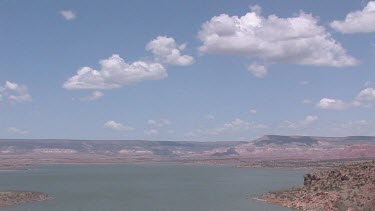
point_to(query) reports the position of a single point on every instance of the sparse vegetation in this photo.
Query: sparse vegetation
(10, 198)
(350, 187)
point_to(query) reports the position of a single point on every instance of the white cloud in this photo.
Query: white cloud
(117, 126)
(210, 117)
(236, 125)
(151, 132)
(253, 111)
(259, 71)
(256, 9)
(14, 93)
(16, 130)
(115, 73)
(296, 40)
(166, 51)
(361, 21)
(365, 98)
(68, 15)
(159, 122)
(333, 104)
(95, 95)
(310, 119)
(367, 94)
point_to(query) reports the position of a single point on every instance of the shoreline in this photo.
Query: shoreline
(297, 164)
(349, 187)
(320, 188)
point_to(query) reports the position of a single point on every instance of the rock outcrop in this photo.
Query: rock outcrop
(351, 187)
(11, 198)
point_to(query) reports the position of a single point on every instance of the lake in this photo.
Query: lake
(149, 187)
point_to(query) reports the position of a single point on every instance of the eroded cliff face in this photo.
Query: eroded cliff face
(271, 147)
(11, 198)
(347, 188)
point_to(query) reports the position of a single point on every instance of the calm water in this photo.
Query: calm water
(149, 187)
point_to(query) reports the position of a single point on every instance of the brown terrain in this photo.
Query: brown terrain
(20, 154)
(11, 198)
(347, 188)
(342, 188)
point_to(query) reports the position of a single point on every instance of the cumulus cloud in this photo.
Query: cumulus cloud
(333, 104)
(296, 40)
(166, 51)
(365, 98)
(310, 119)
(367, 94)
(361, 21)
(259, 71)
(17, 130)
(68, 15)
(14, 93)
(115, 73)
(159, 122)
(253, 111)
(117, 126)
(95, 95)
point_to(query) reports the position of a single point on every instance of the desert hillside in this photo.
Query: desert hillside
(351, 187)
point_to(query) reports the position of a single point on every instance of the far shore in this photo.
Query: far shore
(294, 164)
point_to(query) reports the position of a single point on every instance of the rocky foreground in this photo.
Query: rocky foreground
(348, 188)
(11, 198)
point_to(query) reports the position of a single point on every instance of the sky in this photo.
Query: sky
(186, 70)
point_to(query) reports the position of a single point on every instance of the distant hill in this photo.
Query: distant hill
(285, 140)
(312, 140)
(265, 148)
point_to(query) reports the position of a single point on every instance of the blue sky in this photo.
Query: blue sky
(186, 70)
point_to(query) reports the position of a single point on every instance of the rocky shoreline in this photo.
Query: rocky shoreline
(11, 198)
(347, 188)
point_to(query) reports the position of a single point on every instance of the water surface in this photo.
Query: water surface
(149, 187)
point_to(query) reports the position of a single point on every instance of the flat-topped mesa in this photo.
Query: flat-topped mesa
(284, 140)
(350, 187)
(269, 147)
(12, 198)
